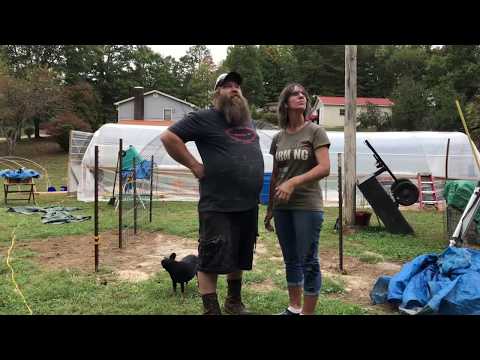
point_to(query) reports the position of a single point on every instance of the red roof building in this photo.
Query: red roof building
(329, 111)
(361, 101)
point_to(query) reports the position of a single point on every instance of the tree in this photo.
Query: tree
(374, 118)
(84, 103)
(443, 111)
(370, 72)
(49, 98)
(472, 118)
(61, 126)
(321, 68)
(37, 96)
(407, 60)
(202, 82)
(23, 57)
(79, 63)
(189, 66)
(277, 66)
(15, 108)
(245, 60)
(411, 105)
(111, 76)
(463, 68)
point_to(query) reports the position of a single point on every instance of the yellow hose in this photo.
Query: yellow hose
(13, 273)
(474, 148)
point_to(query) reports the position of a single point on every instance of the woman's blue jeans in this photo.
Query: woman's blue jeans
(298, 232)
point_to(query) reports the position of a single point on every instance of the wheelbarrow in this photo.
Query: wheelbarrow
(403, 190)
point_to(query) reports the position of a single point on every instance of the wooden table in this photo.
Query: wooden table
(26, 186)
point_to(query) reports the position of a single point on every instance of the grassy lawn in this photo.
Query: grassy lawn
(75, 292)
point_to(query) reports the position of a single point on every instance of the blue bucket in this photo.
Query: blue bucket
(265, 194)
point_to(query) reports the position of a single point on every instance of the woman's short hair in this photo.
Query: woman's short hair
(282, 110)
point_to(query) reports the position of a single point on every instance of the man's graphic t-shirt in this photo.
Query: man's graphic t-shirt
(295, 155)
(232, 159)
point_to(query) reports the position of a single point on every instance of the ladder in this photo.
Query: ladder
(428, 193)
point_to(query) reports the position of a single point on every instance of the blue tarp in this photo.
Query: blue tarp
(448, 283)
(142, 169)
(20, 174)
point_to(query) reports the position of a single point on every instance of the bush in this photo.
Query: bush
(61, 126)
(270, 117)
(373, 118)
(29, 132)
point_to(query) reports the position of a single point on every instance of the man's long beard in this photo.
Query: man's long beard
(235, 109)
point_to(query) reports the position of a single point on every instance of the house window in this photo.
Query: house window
(342, 112)
(167, 114)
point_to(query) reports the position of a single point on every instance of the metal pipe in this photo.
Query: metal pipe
(340, 213)
(151, 188)
(96, 210)
(120, 194)
(134, 196)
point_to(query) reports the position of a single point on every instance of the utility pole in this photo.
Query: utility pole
(350, 133)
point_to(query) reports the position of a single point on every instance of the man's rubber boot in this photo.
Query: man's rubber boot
(210, 304)
(233, 303)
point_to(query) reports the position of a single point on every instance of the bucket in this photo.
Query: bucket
(265, 194)
(362, 218)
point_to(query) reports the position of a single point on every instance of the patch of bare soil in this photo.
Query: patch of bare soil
(359, 277)
(140, 259)
(137, 260)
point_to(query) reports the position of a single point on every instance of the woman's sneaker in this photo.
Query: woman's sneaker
(288, 312)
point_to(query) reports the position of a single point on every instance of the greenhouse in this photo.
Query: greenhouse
(405, 153)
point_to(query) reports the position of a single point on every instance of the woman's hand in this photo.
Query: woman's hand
(268, 218)
(285, 190)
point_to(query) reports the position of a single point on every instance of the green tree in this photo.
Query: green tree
(83, 102)
(472, 118)
(370, 72)
(407, 61)
(411, 105)
(463, 68)
(277, 65)
(49, 97)
(443, 111)
(245, 60)
(188, 66)
(321, 68)
(22, 57)
(111, 76)
(22, 100)
(201, 83)
(375, 119)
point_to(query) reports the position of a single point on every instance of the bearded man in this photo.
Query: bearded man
(230, 178)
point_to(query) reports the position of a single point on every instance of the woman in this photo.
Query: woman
(300, 152)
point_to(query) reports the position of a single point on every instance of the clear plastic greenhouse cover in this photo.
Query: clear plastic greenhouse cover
(405, 153)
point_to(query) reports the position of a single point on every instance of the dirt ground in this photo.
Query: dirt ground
(140, 259)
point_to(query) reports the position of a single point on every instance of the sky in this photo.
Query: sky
(219, 52)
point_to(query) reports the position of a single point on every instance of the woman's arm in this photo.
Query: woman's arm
(285, 190)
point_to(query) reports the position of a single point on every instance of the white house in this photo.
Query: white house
(330, 110)
(152, 108)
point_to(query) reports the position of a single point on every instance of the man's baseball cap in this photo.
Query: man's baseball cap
(231, 76)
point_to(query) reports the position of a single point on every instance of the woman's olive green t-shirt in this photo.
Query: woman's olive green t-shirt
(295, 155)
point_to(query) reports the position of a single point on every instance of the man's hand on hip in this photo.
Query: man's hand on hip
(198, 170)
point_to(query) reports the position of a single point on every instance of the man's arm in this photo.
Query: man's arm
(178, 151)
